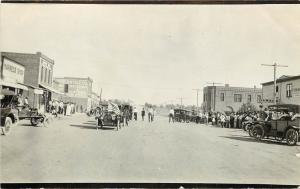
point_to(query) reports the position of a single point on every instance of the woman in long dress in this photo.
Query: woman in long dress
(68, 111)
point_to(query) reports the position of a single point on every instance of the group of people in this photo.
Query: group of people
(150, 112)
(61, 108)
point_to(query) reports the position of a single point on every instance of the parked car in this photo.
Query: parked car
(8, 111)
(11, 112)
(182, 115)
(282, 126)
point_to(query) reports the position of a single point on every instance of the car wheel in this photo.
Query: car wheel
(291, 137)
(7, 126)
(258, 132)
(250, 132)
(34, 121)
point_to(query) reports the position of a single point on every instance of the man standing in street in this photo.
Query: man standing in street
(171, 115)
(135, 113)
(150, 113)
(143, 114)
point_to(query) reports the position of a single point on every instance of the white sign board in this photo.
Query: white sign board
(12, 71)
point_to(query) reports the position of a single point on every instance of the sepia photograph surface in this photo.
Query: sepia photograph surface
(150, 93)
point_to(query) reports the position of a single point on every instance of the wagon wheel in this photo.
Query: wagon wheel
(291, 137)
(7, 126)
(258, 132)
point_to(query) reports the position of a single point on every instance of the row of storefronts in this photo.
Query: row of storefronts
(31, 75)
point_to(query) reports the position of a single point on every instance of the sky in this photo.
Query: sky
(157, 53)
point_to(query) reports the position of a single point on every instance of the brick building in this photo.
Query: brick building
(76, 90)
(38, 76)
(226, 98)
(287, 90)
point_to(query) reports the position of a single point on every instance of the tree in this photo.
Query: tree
(247, 107)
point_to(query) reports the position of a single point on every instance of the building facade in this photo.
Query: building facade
(287, 90)
(12, 75)
(226, 98)
(38, 76)
(76, 90)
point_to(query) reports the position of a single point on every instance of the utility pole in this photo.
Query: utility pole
(275, 65)
(214, 94)
(197, 98)
(101, 95)
(180, 101)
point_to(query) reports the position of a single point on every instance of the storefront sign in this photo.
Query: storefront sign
(12, 71)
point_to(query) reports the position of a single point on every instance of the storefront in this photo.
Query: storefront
(12, 76)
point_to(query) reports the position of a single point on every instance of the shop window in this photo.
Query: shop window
(237, 98)
(258, 98)
(276, 88)
(289, 90)
(249, 98)
(222, 96)
(49, 77)
(66, 88)
(45, 78)
(42, 74)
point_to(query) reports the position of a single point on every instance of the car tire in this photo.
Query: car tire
(291, 137)
(258, 132)
(34, 121)
(250, 132)
(7, 126)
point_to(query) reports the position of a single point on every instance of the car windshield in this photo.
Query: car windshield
(6, 101)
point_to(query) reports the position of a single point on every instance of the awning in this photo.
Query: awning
(14, 85)
(38, 91)
(51, 89)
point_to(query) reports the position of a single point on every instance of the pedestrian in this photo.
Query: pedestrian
(143, 114)
(150, 113)
(135, 113)
(68, 109)
(61, 107)
(171, 115)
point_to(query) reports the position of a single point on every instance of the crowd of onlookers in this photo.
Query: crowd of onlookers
(58, 107)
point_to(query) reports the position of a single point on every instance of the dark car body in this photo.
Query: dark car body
(281, 128)
(182, 115)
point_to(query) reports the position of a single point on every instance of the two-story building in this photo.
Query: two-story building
(38, 76)
(76, 90)
(287, 90)
(226, 98)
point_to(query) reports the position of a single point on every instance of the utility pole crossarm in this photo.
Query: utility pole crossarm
(275, 65)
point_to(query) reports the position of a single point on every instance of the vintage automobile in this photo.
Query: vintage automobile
(10, 107)
(182, 115)
(8, 112)
(107, 116)
(281, 126)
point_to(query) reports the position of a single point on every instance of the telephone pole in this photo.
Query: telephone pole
(180, 101)
(214, 94)
(275, 65)
(197, 98)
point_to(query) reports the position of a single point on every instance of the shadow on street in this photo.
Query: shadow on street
(249, 139)
(92, 127)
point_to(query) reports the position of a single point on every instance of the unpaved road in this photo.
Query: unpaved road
(72, 150)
